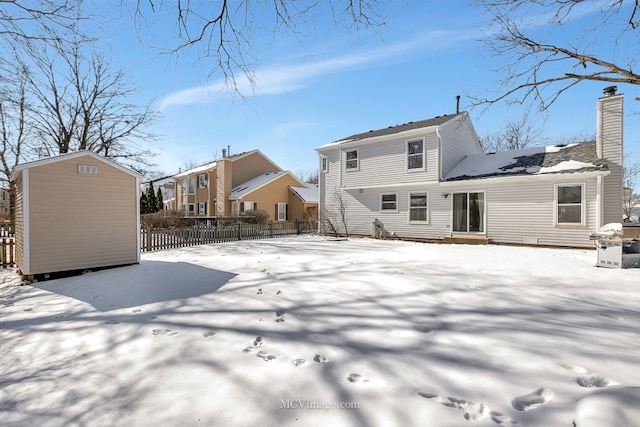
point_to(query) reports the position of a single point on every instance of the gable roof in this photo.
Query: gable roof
(563, 158)
(207, 166)
(435, 121)
(257, 182)
(17, 170)
(308, 194)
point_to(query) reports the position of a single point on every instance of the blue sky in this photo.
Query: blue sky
(333, 83)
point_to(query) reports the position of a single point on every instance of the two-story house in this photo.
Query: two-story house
(431, 180)
(240, 183)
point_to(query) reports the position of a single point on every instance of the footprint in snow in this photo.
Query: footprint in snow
(502, 419)
(259, 292)
(258, 341)
(532, 400)
(265, 356)
(591, 381)
(153, 317)
(111, 322)
(137, 310)
(208, 334)
(357, 378)
(298, 362)
(320, 359)
(163, 332)
(28, 309)
(471, 411)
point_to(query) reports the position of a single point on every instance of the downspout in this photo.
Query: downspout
(599, 204)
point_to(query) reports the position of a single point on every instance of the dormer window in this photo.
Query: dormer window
(415, 154)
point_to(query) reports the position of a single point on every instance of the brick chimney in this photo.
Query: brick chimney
(609, 146)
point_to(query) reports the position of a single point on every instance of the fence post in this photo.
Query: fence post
(238, 233)
(298, 231)
(147, 234)
(271, 229)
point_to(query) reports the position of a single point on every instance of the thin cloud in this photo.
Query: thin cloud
(276, 80)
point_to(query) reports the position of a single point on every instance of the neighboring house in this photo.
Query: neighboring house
(306, 199)
(430, 180)
(236, 184)
(167, 187)
(75, 211)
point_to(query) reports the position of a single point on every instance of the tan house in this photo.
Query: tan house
(75, 211)
(236, 184)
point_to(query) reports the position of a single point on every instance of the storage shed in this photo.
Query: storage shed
(75, 211)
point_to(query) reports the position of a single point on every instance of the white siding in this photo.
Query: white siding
(523, 211)
(459, 140)
(385, 161)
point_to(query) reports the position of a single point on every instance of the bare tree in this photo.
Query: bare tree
(515, 135)
(222, 32)
(75, 101)
(543, 63)
(308, 176)
(333, 219)
(13, 123)
(24, 21)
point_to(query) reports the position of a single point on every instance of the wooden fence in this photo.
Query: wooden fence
(7, 252)
(152, 239)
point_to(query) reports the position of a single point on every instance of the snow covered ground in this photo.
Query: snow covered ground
(312, 331)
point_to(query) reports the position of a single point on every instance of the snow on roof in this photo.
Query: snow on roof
(198, 169)
(308, 194)
(568, 158)
(254, 183)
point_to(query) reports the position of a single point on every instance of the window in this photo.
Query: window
(202, 208)
(569, 204)
(247, 206)
(352, 162)
(235, 208)
(415, 154)
(202, 180)
(468, 212)
(389, 202)
(91, 170)
(191, 209)
(183, 186)
(192, 185)
(281, 211)
(418, 207)
(323, 164)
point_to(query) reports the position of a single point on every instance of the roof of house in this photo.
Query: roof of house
(435, 121)
(207, 166)
(308, 194)
(17, 170)
(563, 158)
(257, 182)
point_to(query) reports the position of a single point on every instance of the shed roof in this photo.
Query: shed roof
(308, 194)
(563, 158)
(17, 170)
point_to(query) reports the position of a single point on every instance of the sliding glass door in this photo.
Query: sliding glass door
(468, 212)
